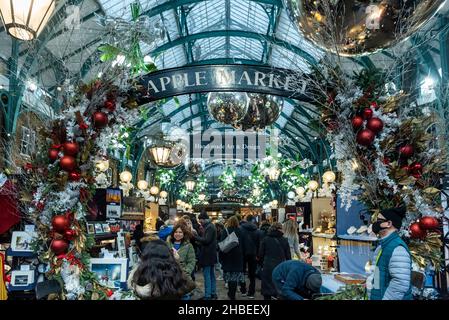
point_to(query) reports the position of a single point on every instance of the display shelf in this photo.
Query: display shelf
(132, 217)
(357, 238)
(21, 288)
(105, 236)
(323, 235)
(12, 253)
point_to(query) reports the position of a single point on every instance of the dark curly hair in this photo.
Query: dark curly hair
(183, 226)
(159, 268)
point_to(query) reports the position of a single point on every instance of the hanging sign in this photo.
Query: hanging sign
(222, 78)
(228, 200)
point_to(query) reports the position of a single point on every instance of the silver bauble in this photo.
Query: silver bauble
(355, 27)
(227, 107)
(263, 111)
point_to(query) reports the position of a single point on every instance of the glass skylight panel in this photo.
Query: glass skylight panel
(205, 14)
(250, 14)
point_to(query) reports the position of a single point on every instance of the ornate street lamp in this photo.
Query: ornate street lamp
(160, 153)
(25, 19)
(190, 184)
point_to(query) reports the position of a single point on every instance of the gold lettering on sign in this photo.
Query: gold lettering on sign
(178, 81)
(186, 80)
(164, 82)
(224, 77)
(274, 80)
(153, 86)
(260, 76)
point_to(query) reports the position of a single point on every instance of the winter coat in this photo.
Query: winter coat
(392, 275)
(187, 258)
(293, 275)
(151, 292)
(263, 231)
(274, 249)
(250, 237)
(208, 246)
(232, 261)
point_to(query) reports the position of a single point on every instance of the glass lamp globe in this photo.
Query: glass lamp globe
(329, 177)
(142, 185)
(313, 185)
(163, 194)
(291, 195)
(126, 177)
(154, 190)
(300, 191)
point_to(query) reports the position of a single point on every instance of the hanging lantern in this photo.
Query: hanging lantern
(160, 154)
(300, 191)
(201, 197)
(154, 190)
(142, 185)
(190, 184)
(227, 107)
(274, 173)
(329, 177)
(25, 19)
(102, 165)
(126, 177)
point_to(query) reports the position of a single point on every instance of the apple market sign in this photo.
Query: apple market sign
(222, 78)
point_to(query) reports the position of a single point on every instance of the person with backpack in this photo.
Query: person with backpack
(232, 260)
(274, 250)
(250, 237)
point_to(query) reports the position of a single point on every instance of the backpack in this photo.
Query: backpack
(230, 242)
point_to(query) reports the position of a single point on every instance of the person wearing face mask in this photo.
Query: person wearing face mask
(391, 279)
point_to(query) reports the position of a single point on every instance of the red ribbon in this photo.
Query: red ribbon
(83, 126)
(72, 259)
(56, 146)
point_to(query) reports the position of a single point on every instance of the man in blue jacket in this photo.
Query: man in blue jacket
(393, 266)
(296, 280)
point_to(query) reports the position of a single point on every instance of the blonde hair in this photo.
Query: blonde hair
(290, 229)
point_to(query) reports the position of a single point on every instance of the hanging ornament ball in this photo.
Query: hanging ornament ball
(60, 223)
(365, 137)
(228, 107)
(67, 163)
(71, 148)
(406, 151)
(70, 234)
(417, 167)
(375, 125)
(416, 232)
(357, 122)
(354, 27)
(367, 113)
(429, 223)
(374, 105)
(74, 176)
(53, 155)
(59, 246)
(110, 105)
(100, 119)
(406, 168)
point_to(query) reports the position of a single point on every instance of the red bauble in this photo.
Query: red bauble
(71, 148)
(365, 137)
(70, 234)
(53, 155)
(416, 232)
(109, 292)
(429, 223)
(406, 168)
(367, 113)
(59, 246)
(67, 163)
(406, 151)
(100, 119)
(374, 105)
(74, 176)
(60, 223)
(357, 122)
(417, 167)
(375, 125)
(110, 105)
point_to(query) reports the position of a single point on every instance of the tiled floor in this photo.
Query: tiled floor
(222, 290)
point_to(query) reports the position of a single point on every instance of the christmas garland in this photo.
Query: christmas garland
(386, 152)
(62, 178)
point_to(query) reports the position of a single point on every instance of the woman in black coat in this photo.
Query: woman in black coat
(232, 261)
(274, 249)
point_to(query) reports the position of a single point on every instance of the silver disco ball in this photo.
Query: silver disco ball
(227, 107)
(263, 111)
(354, 27)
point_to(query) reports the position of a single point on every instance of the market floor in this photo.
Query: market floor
(221, 289)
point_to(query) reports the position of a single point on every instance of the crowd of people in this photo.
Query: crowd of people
(241, 248)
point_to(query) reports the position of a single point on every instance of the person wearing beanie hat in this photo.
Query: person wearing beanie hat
(296, 280)
(391, 279)
(207, 257)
